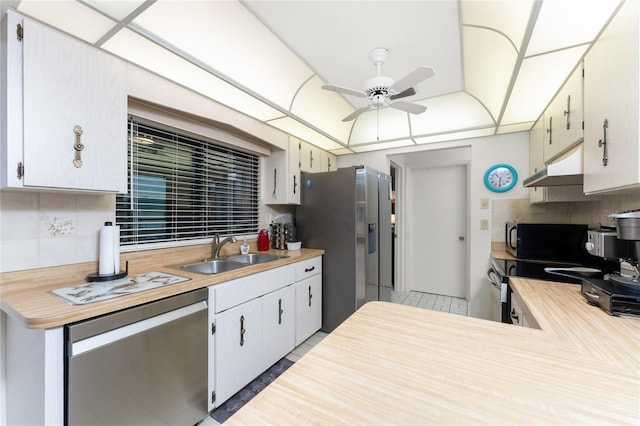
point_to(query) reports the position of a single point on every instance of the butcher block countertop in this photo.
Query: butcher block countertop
(395, 364)
(25, 294)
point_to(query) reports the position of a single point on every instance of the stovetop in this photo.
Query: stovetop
(535, 269)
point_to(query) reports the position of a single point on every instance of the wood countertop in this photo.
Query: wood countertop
(25, 294)
(396, 364)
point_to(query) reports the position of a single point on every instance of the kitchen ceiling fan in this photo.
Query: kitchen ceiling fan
(381, 90)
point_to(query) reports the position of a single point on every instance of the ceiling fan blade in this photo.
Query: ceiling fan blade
(344, 90)
(355, 114)
(408, 107)
(409, 92)
(411, 79)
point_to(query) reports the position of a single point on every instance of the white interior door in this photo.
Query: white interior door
(436, 230)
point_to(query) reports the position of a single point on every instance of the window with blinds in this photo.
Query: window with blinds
(185, 188)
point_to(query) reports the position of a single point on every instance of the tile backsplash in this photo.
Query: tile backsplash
(593, 213)
(48, 229)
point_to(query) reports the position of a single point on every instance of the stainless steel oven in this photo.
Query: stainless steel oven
(499, 294)
(147, 364)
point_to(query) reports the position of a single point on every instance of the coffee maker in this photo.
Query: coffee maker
(617, 293)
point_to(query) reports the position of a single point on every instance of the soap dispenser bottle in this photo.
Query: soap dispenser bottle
(244, 247)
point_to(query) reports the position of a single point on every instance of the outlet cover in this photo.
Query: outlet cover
(484, 203)
(484, 224)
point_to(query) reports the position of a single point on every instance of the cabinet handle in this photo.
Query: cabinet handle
(78, 147)
(295, 184)
(567, 112)
(602, 143)
(309, 269)
(280, 311)
(310, 295)
(549, 131)
(311, 159)
(242, 330)
(275, 182)
(328, 164)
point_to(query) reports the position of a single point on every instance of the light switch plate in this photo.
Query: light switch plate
(484, 203)
(484, 224)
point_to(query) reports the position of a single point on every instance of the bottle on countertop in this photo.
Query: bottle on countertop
(244, 247)
(263, 240)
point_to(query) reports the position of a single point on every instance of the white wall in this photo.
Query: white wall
(510, 148)
(49, 229)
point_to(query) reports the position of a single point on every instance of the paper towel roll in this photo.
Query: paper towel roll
(106, 263)
(116, 249)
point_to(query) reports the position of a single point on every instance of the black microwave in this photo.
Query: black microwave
(546, 241)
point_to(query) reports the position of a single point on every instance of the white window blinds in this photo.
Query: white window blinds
(182, 187)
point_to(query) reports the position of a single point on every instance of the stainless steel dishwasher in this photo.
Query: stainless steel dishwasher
(143, 365)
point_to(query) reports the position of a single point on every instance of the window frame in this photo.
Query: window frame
(213, 146)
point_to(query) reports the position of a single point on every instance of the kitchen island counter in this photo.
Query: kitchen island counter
(395, 364)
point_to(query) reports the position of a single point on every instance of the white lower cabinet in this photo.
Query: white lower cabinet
(520, 313)
(257, 320)
(238, 338)
(278, 325)
(308, 307)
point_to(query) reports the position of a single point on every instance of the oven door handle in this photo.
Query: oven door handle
(493, 277)
(495, 281)
(103, 339)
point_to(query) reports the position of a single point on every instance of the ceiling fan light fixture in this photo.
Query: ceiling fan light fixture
(379, 89)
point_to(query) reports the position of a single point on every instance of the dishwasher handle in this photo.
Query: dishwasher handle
(103, 339)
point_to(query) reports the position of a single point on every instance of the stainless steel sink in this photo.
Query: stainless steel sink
(255, 258)
(229, 263)
(213, 266)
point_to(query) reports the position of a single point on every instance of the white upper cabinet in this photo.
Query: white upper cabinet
(548, 194)
(66, 111)
(611, 147)
(327, 162)
(282, 176)
(564, 117)
(310, 160)
(536, 162)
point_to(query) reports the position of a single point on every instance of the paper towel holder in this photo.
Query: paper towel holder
(95, 277)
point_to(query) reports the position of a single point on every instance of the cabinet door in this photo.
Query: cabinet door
(238, 348)
(611, 94)
(566, 110)
(274, 189)
(74, 95)
(309, 158)
(536, 163)
(327, 162)
(278, 325)
(308, 307)
(293, 173)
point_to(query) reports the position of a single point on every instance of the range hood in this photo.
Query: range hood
(566, 171)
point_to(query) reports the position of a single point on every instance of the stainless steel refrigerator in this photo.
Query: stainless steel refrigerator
(347, 213)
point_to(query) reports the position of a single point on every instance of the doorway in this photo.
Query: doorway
(435, 237)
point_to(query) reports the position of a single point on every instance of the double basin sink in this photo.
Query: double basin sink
(229, 263)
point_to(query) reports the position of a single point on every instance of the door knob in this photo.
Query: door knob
(461, 237)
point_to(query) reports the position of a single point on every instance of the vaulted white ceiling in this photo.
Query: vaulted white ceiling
(497, 63)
